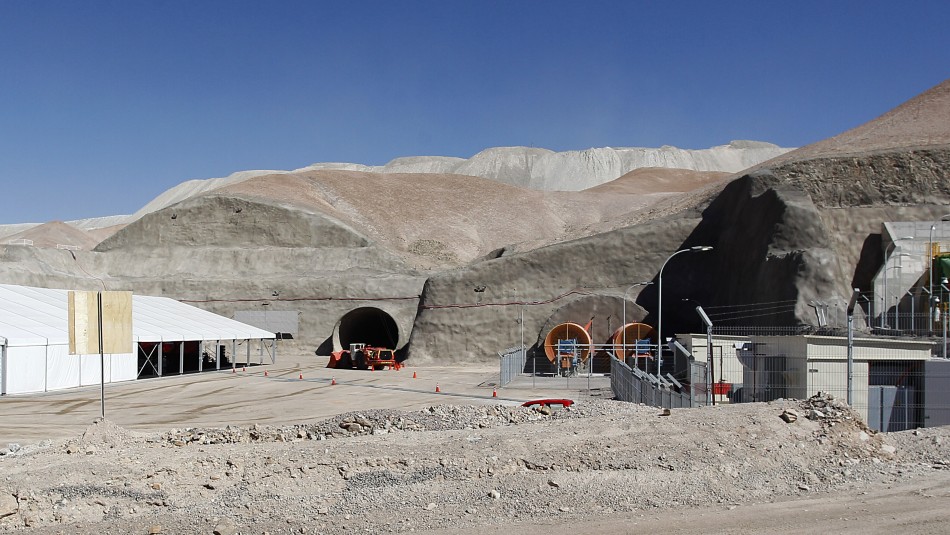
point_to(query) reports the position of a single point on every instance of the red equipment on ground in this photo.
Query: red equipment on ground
(363, 357)
(548, 402)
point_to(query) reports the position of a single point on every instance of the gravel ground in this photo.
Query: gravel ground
(449, 468)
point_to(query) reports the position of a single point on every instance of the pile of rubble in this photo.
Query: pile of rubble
(384, 421)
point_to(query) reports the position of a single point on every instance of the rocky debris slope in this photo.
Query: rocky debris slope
(448, 467)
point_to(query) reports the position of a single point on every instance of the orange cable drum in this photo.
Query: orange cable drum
(634, 332)
(568, 331)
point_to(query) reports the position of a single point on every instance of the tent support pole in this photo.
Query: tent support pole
(3, 370)
(181, 359)
(160, 358)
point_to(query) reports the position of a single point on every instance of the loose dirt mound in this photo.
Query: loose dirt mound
(449, 467)
(104, 433)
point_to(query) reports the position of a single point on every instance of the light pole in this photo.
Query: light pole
(624, 326)
(854, 298)
(943, 317)
(930, 269)
(659, 313)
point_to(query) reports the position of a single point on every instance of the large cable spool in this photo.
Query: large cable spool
(568, 331)
(631, 332)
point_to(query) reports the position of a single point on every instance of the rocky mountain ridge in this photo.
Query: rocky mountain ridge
(527, 167)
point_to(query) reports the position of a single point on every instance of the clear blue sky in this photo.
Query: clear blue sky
(105, 104)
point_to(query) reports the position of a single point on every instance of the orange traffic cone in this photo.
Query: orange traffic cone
(243, 369)
(233, 370)
(301, 376)
(494, 393)
(265, 373)
(437, 389)
(413, 375)
(332, 381)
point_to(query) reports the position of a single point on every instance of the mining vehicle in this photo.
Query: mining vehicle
(362, 357)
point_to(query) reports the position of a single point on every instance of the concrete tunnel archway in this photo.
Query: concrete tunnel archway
(367, 325)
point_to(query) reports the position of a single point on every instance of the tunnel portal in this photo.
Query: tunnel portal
(370, 326)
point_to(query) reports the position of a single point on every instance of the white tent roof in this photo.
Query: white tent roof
(38, 316)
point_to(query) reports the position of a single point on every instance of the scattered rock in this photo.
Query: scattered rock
(789, 415)
(494, 494)
(155, 529)
(225, 527)
(8, 504)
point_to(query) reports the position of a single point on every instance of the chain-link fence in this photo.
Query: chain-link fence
(638, 386)
(511, 364)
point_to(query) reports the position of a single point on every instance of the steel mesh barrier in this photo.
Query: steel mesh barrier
(511, 364)
(637, 386)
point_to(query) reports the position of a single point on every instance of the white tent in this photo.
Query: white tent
(34, 338)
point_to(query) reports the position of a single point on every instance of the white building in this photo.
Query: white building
(167, 336)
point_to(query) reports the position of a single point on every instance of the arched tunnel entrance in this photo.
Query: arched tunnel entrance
(370, 326)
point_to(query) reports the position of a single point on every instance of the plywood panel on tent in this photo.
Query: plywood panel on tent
(62, 369)
(84, 322)
(26, 369)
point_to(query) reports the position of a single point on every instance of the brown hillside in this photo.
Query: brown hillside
(923, 121)
(452, 216)
(660, 180)
(49, 235)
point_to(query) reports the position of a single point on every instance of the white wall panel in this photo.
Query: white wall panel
(26, 369)
(62, 369)
(124, 367)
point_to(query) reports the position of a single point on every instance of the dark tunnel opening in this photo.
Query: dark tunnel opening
(370, 326)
